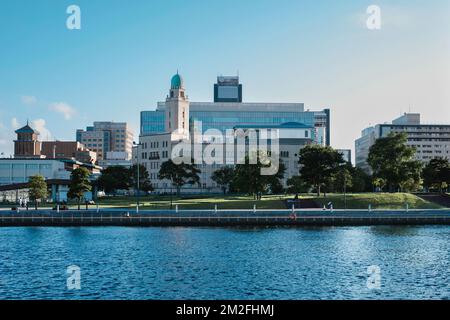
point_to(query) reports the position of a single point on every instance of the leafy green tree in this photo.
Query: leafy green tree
(379, 183)
(393, 161)
(436, 174)
(361, 181)
(114, 178)
(248, 177)
(79, 184)
(37, 189)
(179, 174)
(275, 181)
(342, 179)
(144, 178)
(318, 164)
(224, 178)
(297, 185)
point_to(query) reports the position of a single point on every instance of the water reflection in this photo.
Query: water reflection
(227, 263)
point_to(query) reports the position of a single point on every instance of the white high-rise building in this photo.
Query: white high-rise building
(430, 140)
(104, 137)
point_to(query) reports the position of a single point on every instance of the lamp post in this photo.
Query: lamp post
(137, 169)
(345, 191)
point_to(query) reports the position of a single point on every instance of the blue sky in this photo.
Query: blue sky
(316, 52)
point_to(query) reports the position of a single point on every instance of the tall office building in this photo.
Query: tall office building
(429, 140)
(227, 89)
(227, 115)
(104, 137)
(296, 128)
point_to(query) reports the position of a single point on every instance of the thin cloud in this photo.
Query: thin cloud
(40, 126)
(64, 108)
(15, 124)
(28, 100)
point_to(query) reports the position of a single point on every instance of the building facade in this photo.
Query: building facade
(27, 144)
(16, 172)
(227, 89)
(346, 154)
(104, 137)
(227, 115)
(430, 140)
(116, 159)
(68, 150)
(176, 120)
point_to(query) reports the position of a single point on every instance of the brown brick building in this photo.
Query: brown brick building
(27, 144)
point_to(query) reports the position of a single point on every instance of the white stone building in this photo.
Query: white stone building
(154, 149)
(430, 140)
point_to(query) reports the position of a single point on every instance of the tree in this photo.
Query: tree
(275, 181)
(79, 184)
(436, 174)
(248, 177)
(297, 185)
(144, 180)
(393, 161)
(342, 179)
(114, 178)
(361, 181)
(379, 183)
(224, 178)
(179, 174)
(318, 164)
(37, 189)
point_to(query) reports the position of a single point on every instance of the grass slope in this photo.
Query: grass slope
(354, 201)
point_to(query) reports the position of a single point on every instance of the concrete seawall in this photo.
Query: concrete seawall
(212, 218)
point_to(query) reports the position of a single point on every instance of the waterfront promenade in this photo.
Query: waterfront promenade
(219, 218)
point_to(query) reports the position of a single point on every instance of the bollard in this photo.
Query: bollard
(331, 208)
(176, 208)
(215, 208)
(407, 207)
(370, 208)
(254, 208)
(57, 208)
(293, 208)
(137, 209)
(324, 208)
(97, 208)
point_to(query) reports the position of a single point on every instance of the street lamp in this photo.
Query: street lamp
(137, 169)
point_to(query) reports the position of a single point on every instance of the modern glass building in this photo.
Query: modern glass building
(227, 115)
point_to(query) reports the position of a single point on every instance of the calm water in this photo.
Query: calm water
(208, 263)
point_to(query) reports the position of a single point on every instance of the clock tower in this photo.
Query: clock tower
(177, 109)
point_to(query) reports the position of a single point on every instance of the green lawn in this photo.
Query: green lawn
(354, 201)
(377, 200)
(201, 202)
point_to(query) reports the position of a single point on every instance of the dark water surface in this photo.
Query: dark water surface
(225, 263)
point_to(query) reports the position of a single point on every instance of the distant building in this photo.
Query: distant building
(27, 144)
(227, 89)
(163, 129)
(430, 140)
(104, 137)
(68, 150)
(16, 172)
(121, 159)
(227, 113)
(346, 154)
